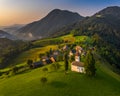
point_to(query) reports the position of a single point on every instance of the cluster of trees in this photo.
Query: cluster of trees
(13, 70)
(9, 49)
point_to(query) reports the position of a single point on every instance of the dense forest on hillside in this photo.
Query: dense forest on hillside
(109, 52)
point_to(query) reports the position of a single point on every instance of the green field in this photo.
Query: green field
(106, 82)
(59, 84)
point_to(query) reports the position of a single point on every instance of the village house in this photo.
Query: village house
(37, 64)
(79, 49)
(77, 67)
(65, 48)
(72, 52)
(56, 52)
(52, 59)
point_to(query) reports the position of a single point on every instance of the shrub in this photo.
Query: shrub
(4, 76)
(30, 62)
(72, 58)
(45, 69)
(0, 73)
(43, 80)
(14, 70)
(60, 57)
(55, 66)
(11, 73)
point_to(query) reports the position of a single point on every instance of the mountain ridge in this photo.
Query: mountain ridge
(4, 34)
(51, 23)
(105, 23)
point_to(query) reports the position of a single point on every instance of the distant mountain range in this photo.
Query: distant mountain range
(4, 34)
(53, 22)
(11, 29)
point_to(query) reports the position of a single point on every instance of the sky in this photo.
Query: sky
(26, 11)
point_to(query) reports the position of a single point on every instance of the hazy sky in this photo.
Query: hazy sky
(26, 11)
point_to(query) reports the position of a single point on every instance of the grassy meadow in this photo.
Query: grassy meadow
(61, 84)
(28, 83)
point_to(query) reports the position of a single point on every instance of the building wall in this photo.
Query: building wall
(77, 69)
(77, 58)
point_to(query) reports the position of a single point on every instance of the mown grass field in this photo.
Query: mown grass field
(59, 84)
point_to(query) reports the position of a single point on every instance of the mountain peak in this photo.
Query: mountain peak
(63, 12)
(56, 10)
(50, 24)
(112, 10)
(113, 7)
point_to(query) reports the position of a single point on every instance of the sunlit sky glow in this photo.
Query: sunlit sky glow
(26, 11)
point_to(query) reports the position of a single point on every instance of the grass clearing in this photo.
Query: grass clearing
(59, 84)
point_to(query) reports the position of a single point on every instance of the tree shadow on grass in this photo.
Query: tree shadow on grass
(58, 84)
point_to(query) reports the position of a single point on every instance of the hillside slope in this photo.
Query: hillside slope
(105, 23)
(106, 82)
(59, 84)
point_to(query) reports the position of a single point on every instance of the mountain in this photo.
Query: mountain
(53, 22)
(4, 34)
(105, 23)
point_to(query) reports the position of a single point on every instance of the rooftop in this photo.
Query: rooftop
(80, 64)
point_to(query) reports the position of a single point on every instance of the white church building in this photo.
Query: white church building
(76, 65)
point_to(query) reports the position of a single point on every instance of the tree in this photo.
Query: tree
(40, 55)
(96, 39)
(30, 62)
(45, 69)
(60, 57)
(66, 61)
(90, 64)
(43, 80)
(13, 70)
(50, 51)
(55, 66)
(74, 32)
(47, 54)
(72, 58)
